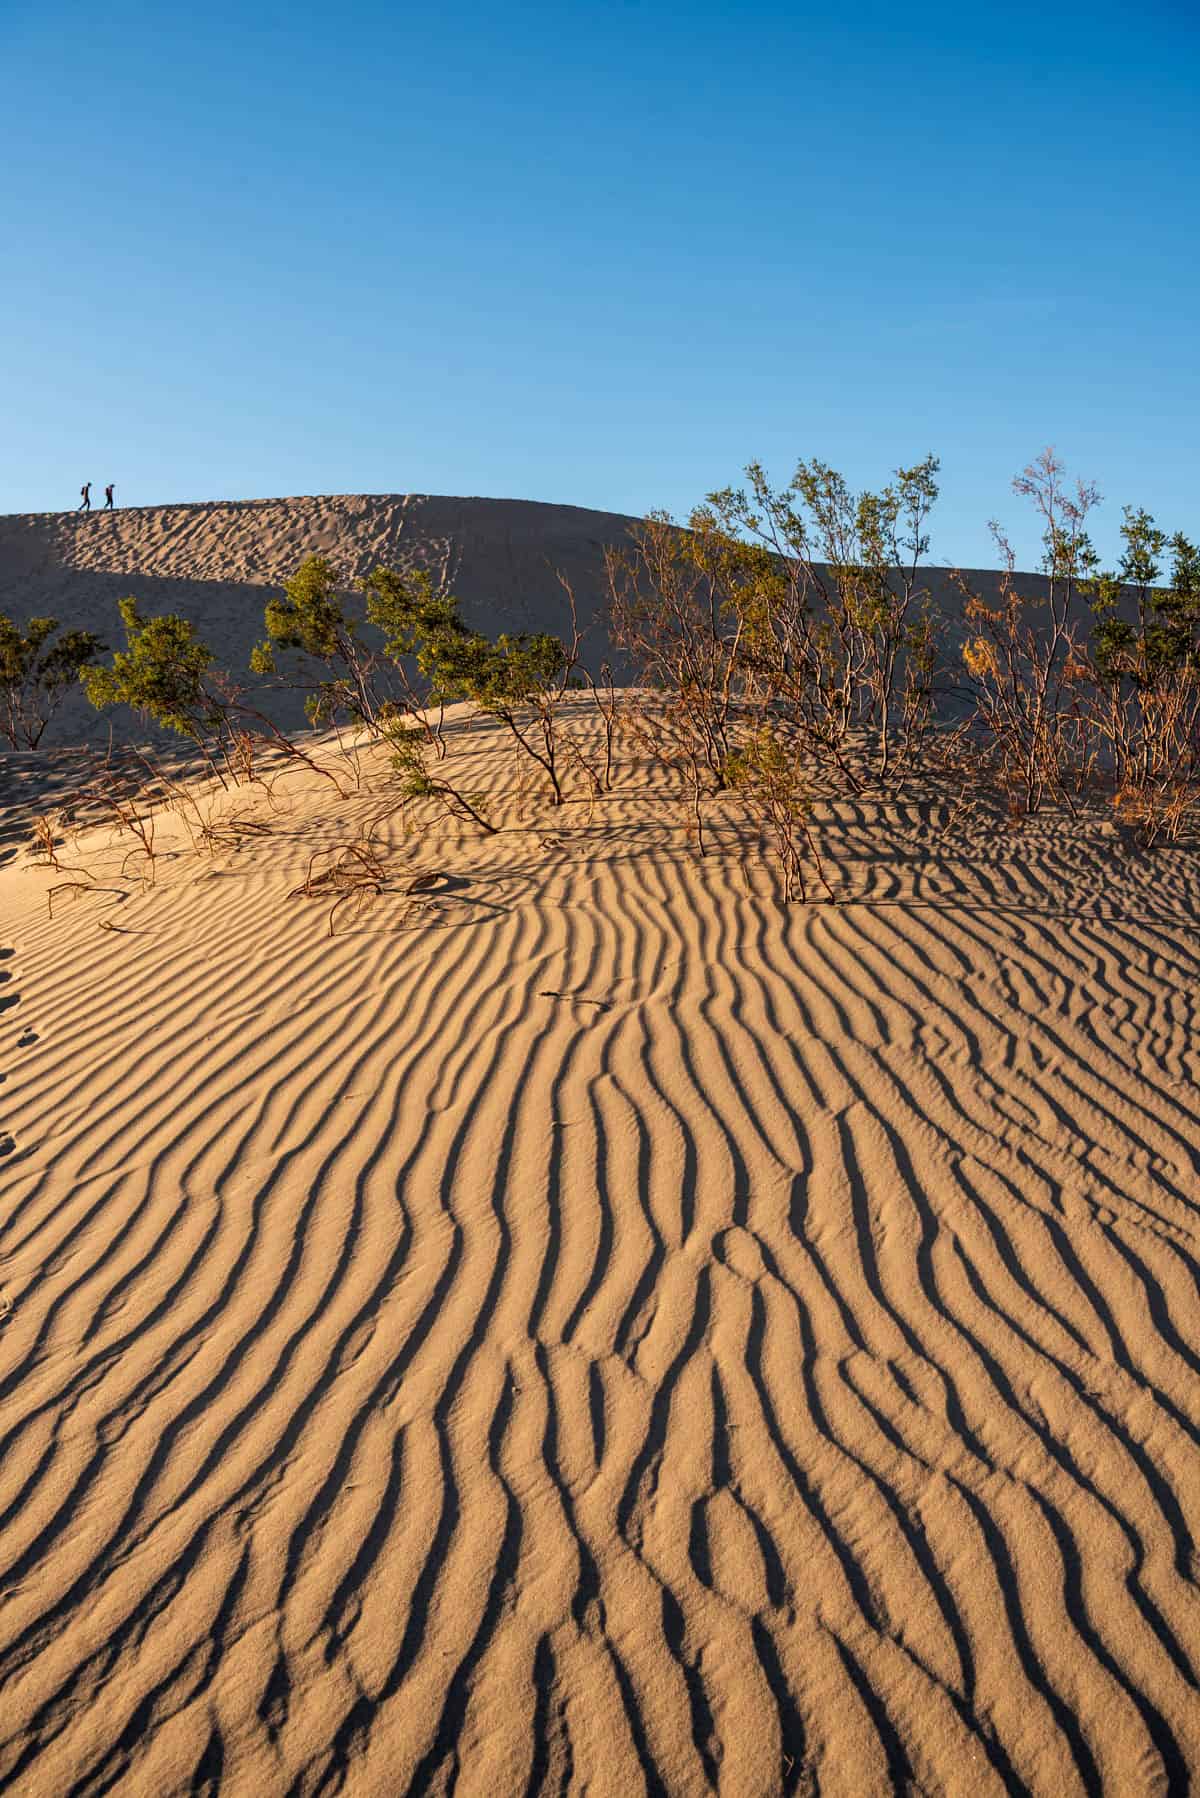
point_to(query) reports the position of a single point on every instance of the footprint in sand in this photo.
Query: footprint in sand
(7, 1143)
(9, 999)
(27, 1041)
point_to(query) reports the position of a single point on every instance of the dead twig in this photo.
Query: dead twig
(356, 874)
(88, 887)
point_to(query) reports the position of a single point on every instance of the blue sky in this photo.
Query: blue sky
(601, 254)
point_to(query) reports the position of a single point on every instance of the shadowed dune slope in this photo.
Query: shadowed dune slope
(217, 564)
(586, 1327)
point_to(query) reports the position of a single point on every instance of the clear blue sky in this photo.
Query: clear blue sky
(601, 254)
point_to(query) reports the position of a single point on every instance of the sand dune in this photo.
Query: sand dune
(217, 564)
(586, 1327)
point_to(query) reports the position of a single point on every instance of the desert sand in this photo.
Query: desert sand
(218, 563)
(584, 1326)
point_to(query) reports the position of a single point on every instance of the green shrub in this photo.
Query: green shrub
(160, 674)
(38, 667)
(311, 620)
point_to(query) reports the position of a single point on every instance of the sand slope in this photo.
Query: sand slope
(218, 563)
(588, 1328)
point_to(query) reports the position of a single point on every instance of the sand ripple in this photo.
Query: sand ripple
(602, 1332)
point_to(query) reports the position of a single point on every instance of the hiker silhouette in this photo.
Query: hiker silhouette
(85, 500)
(108, 497)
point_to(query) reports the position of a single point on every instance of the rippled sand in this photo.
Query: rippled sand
(586, 1327)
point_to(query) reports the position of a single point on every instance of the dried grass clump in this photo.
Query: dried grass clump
(353, 875)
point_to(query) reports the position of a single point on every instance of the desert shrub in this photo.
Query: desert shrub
(411, 754)
(343, 674)
(806, 602)
(671, 613)
(787, 633)
(438, 659)
(162, 674)
(330, 660)
(518, 680)
(412, 614)
(166, 674)
(132, 811)
(429, 658)
(1024, 659)
(418, 620)
(608, 709)
(38, 667)
(767, 770)
(839, 632)
(1146, 673)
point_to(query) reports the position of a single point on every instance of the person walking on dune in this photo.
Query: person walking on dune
(108, 497)
(85, 498)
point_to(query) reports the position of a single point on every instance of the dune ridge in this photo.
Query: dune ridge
(255, 540)
(589, 1327)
